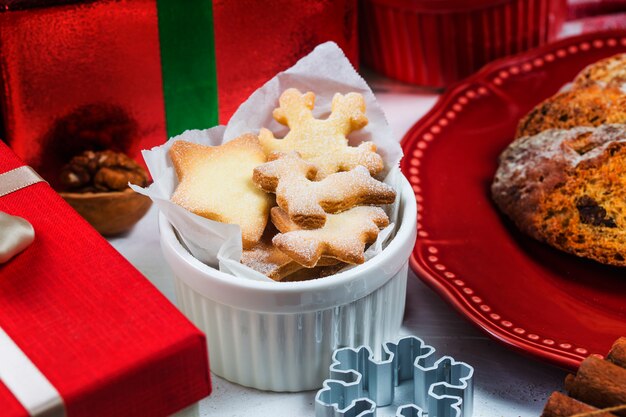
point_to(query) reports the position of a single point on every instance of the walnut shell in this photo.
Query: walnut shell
(110, 213)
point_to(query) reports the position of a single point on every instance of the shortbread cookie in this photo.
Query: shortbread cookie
(568, 188)
(343, 237)
(588, 106)
(307, 274)
(265, 258)
(323, 141)
(270, 261)
(608, 72)
(216, 182)
(306, 201)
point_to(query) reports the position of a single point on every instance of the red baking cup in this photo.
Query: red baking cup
(577, 9)
(437, 42)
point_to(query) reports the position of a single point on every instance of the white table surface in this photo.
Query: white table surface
(507, 384)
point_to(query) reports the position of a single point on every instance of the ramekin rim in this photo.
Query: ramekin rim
(403, 234)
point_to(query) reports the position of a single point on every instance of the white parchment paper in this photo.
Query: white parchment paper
(325, 71)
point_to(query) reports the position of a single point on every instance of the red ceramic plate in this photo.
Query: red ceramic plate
(525, 294)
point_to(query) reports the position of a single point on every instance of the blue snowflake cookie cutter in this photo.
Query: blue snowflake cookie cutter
(358, 383)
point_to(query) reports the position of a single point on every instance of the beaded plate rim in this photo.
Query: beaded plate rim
(424, 260)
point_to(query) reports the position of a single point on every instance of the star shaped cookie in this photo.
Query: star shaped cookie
(323, 141)
(216, 182)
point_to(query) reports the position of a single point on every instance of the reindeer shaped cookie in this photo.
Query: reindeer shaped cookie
(306, 201)
(323, 141)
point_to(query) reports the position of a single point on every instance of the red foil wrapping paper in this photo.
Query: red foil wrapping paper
(87, 74)
(80, 76)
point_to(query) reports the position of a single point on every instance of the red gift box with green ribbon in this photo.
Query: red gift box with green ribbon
(126, 75)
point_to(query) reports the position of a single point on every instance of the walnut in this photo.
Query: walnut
(102, 171)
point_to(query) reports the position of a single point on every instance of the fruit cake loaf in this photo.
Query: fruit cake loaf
(568, 189)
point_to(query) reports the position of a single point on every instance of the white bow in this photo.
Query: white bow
(15, 235)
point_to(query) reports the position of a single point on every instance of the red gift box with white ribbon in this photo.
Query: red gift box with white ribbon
(82, 332)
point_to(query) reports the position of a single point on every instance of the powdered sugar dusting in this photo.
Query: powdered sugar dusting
(527, 153)
(307, 201)
(323, 141)
(343, 237)
(269, 260)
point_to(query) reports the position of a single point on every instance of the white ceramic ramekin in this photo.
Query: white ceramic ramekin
(280, 336)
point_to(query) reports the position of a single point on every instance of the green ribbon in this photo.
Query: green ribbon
(188, 64)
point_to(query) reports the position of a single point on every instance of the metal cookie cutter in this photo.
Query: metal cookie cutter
(359, 383)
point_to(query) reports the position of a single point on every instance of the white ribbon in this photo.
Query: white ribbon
(20, 375)
(26, 382)
(17, 179)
